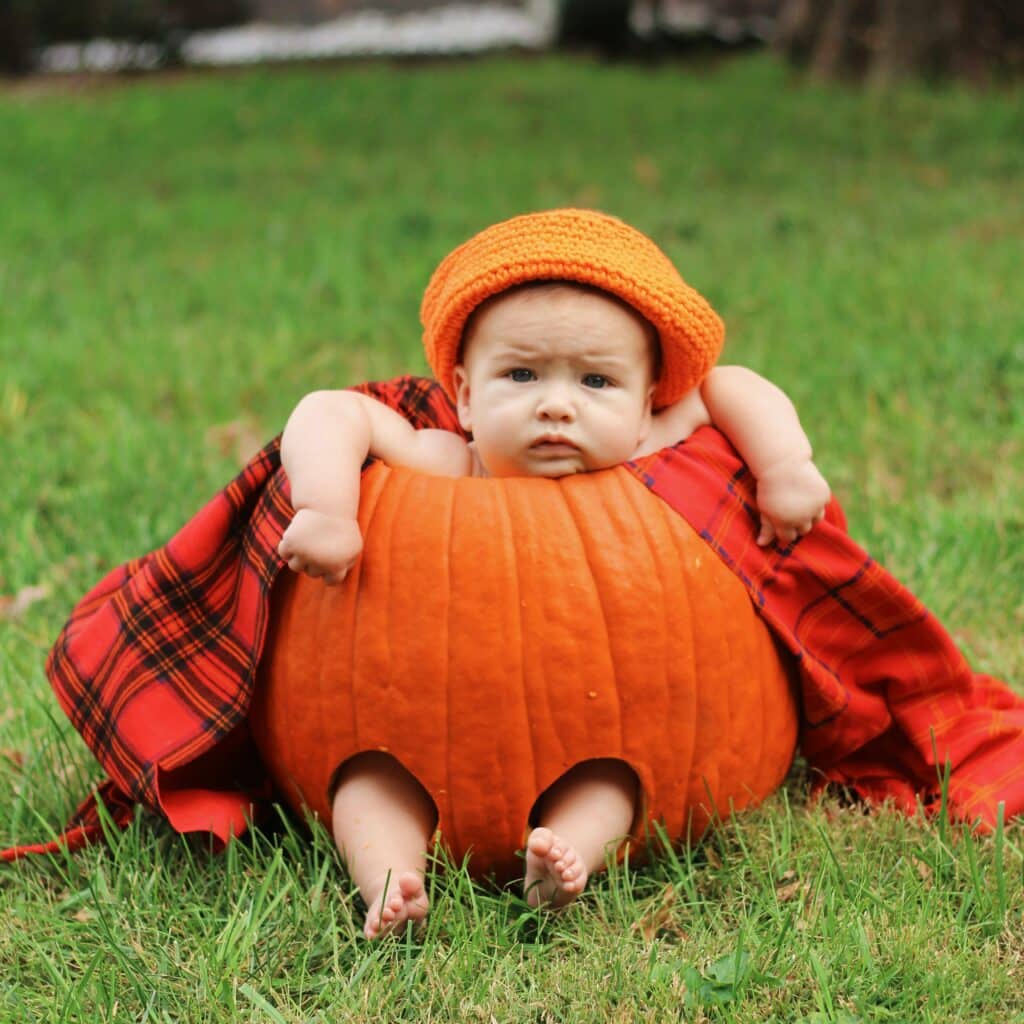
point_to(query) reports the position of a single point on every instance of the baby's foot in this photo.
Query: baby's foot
(555, 874)
(404, 900)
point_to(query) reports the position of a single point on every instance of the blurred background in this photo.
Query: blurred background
(871, 39)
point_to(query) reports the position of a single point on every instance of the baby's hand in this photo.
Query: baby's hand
(321, 545)
(791, 497)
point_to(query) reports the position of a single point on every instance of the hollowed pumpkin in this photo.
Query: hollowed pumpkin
(496, 632)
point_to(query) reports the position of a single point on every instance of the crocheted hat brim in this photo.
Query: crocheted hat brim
(581, 246)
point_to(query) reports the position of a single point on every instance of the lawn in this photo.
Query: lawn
(182, 258)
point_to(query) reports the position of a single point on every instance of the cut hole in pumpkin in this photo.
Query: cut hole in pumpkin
(376, 785)
(596, 802)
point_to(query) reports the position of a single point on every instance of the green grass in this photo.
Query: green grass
(181, 259)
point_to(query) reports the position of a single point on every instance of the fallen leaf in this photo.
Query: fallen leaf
(932, 175)
(588, 196)
(240, 438)
(13, 607)
(789, 887)
(646, 172)
(657, 919)
(13, 406)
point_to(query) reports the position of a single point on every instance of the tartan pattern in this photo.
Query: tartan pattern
(172, 677)
(156, 665)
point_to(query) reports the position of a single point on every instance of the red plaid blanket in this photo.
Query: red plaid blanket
(156, 665)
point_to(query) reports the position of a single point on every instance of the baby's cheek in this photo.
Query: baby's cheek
(495, 459)
(618, 444)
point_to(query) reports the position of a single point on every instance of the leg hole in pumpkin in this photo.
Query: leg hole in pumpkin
(590, 811)
(383, 819)
(375, 782)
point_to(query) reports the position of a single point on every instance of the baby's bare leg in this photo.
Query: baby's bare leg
(582, 818)
(383, 820)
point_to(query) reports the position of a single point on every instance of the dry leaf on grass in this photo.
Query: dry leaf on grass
(924, 870)
(646, 172)
(789, 887)
(14, 606)
(658, 918)
(241, 439)
(13, 757)
(588, 196)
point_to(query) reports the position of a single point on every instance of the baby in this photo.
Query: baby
(551, 375)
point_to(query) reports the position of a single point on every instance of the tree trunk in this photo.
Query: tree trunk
(880, 41)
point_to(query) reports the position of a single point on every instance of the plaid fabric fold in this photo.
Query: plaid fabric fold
(155, 667)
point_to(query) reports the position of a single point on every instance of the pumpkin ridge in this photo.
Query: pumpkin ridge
(323, 625)
(511, 755)
(444, 812)
(554, 552)
(686, 683)
(650, 516)
(521, 630)
(579, 519)
(688, 585)
(760, 739)
(648, 796)
(379, 500)
(718, 756)
(568, 506)
(403, 487)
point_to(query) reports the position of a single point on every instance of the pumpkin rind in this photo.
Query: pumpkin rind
(495, 632)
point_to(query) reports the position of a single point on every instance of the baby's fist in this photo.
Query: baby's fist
(320, 545)
(791, 497)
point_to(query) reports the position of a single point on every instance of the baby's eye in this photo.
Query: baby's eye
(521, 375)
(596, 380)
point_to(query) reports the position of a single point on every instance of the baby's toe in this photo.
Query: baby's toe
(410, 886)
(540, 842)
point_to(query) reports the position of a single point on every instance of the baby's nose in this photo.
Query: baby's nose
(556, 404)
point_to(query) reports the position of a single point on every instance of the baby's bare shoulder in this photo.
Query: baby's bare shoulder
(441, 453)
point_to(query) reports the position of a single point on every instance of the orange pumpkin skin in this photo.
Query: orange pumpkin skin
(496, 632)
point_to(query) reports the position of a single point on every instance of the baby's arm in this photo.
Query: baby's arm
(762, 424)
(325, 442)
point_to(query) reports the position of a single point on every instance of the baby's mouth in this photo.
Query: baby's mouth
(554, 444)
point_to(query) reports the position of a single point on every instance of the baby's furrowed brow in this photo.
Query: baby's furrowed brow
(524, 353)
(612, 366)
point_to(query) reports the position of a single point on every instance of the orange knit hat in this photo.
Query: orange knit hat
(573, 245)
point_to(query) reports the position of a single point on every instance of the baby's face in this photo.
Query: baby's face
(555, 381)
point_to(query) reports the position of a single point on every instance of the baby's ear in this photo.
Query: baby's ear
(461, 379)
(645, 422)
